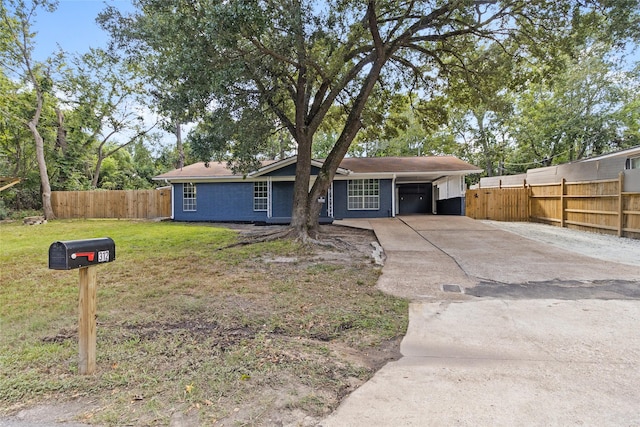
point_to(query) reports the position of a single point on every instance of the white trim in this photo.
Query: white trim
(269, 200)
(629, 163)
(363, 195)
(273, 166)
(289, 161)
(628, 152)
(190, 200)
(427, 177)
(173, 204)
(330, 212)
(264, 198)
(394, 195)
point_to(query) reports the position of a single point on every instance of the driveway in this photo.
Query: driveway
(503, 330)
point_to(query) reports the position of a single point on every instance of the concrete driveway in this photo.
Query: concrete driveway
(502, 331)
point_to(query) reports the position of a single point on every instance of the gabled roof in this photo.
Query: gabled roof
(286, 162)
(431, 167)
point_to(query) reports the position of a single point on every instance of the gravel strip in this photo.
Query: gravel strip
(601, 246)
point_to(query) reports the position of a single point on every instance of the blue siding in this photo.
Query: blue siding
(340, 210)
(219, 201)
(233, 201)
(281, 199)
(290, 171)
(453, 206)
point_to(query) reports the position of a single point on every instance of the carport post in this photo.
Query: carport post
(87, 320)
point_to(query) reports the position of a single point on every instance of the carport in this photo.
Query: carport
(415, 198)
(421, 185)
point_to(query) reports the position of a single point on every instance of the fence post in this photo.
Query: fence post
(562, 201)
(620, 203)
(527, 205)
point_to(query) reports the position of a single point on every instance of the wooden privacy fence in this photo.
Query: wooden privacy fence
(498, 204)
(112, 204)
(600, 206)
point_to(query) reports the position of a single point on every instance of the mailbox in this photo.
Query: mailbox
(81, 253)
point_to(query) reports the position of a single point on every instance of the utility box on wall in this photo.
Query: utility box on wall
(72, 254)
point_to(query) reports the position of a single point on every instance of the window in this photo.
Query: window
(260, 196)
(633, 163)
(363, 194)
(188, 197)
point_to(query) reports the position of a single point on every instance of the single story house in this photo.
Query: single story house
(362, 188)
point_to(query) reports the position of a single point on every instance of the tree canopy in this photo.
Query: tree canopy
(289, 63)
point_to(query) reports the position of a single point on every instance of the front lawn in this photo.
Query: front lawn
(249, 335)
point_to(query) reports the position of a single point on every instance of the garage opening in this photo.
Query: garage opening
(415, 198)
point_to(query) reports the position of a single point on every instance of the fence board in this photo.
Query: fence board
(112, 204)
(599, 206)
(500, 204)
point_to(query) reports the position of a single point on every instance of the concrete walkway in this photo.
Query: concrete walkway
(551, 339)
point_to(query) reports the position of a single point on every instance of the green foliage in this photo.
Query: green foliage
(585, 110)
(334, 72)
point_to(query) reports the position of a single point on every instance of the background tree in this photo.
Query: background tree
(582, 111)
(16, 54)
(290, 62)
(110, 96)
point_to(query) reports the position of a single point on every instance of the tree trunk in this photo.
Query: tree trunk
(96, 172)
(44, 176)
(300, 210)
(61, 138)
(306, 207)
(179, 146)
(339, 150)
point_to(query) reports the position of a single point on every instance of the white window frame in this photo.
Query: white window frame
(633, 163)
(189, 197)
(261, 196)
(363, 195)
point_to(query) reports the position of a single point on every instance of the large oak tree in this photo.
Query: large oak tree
(288, 63)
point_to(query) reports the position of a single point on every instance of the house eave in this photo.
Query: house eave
(426, 176)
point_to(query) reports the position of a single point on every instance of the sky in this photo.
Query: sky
(72, 26)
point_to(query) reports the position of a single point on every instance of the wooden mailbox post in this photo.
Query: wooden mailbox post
(85, 255)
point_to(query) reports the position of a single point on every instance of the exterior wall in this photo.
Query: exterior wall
(233, 201)
(450, 187)
(340, 210)
(450, 198)
(290, 170)
(223, 201)
(281, 199)
(632, 181)
(453, 206)
(596, 169)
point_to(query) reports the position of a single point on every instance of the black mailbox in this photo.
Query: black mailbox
(81, 253)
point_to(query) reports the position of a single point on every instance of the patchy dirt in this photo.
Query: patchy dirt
(300, 369)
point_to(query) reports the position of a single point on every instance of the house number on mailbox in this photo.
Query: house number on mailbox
(103, 256)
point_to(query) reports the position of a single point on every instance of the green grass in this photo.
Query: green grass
(185, 326)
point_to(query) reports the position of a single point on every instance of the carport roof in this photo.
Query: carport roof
(432, 166)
